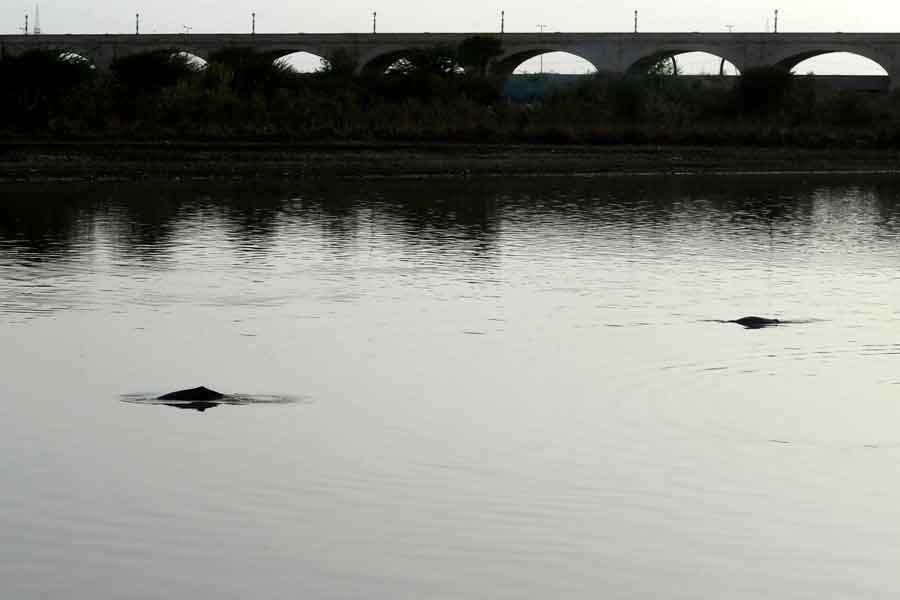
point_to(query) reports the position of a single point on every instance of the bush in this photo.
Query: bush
(40, 85)
(852, 109)
(763, 90)
(255, 72)
(152, 71)
(241, 93)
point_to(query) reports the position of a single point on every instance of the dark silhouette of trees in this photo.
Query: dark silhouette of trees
(37, 84)
(147, 71)
(478, 52)
(341, 63)
(254, 72)
(764, 90)
(666, 66)
(440, 60)
(438, 93)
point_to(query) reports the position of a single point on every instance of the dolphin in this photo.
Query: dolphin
(755, 322)
(200, 394)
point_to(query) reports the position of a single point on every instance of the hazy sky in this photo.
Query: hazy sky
(104, 16)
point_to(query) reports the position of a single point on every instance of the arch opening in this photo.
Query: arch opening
(545, 61)
(193, 61)
(380, 64)
(555, 63)
(695, 63)
(835, 63)
(42, 57)
(302, 62)
(155, 69)
(47, 68)
(531, 76)
(74, 58)
(435, 60)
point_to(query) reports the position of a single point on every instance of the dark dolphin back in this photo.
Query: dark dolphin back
(200, 394)
(756, 322)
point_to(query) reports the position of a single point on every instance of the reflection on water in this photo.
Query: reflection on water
(204, 405)
(477, 388)
(52, 238)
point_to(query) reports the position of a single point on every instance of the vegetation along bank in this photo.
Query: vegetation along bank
(440, 94)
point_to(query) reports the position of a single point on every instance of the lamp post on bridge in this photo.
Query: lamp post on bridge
(374, 22)
(253, 23)
(502, 21)
(635, 21)
(137, 23)
(25, 29)
(542, 28)
(776, 20)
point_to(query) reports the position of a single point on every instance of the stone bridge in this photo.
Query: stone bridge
(615, 53)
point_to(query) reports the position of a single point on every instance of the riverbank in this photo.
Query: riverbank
(128, 161)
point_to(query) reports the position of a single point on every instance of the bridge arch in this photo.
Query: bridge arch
(556, 63)
(186, 50)
(301, 60)
(397, 60)
(195, 60)
(195, 56)
(378, 65)
(840, 63)
(643, 64)
(794, 59)
(50, 67)
(155, 68)
(72, 54)
(506, 65)
(77, 57)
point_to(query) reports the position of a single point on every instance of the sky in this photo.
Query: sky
(209, 16)
(105, 16)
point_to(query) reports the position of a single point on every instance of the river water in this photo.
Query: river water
(478, 388)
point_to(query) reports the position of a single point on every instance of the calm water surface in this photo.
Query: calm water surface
(497, 389)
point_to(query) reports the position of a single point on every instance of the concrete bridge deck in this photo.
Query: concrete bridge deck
(609, 52)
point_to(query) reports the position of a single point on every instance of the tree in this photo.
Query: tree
(152, 70)
(254, 71)
(764, 89)
(39, 82)
(477, 52)
(664, 66)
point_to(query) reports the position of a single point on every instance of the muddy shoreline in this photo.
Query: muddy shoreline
(137, 161)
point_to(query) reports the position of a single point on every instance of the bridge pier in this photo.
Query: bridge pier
(103, 57)
(893, 71)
